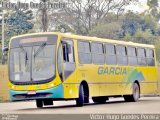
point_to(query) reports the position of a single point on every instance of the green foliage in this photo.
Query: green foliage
(127, 37)
(157, 46)
(154, 8)
(19, 22)
(152, 3)
(109, 30)
(145, 37)
(133, 22)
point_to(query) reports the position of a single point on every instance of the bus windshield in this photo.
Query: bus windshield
(33, 63)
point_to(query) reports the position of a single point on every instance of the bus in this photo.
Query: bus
(52, 66)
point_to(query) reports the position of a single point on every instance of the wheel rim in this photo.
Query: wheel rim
(136, 93)
(83, 95)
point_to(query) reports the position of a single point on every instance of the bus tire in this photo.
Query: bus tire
(80, 99)
(135, 94)
(39, 103)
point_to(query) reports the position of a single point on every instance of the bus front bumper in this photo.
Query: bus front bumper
(52, 93)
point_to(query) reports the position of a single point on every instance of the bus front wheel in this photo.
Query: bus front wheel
(80, 99)
(39, 103)
(135, 94)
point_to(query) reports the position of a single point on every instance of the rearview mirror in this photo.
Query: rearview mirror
(4, 56)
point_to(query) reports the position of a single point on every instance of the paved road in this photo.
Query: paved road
(116, 105)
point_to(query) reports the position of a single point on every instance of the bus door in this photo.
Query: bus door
(68, 65)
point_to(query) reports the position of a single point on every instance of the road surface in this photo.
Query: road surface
(115, 105)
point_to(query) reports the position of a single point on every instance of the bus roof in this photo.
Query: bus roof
(87, 38)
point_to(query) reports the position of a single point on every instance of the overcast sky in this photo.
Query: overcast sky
(140, 7)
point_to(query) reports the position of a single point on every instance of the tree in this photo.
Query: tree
(154, 8)
(44, 17)
(140, 26)
(19, 22)
(90, 13)
(157, 46)
(145, 37)
(128, 37)
(131, 23)
(106, 30)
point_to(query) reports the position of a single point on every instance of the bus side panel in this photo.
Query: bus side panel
(116, 81)
(149, 84)
(125, 82)
(88, 73)
(158, 80)
(71, 86)
(70, 90)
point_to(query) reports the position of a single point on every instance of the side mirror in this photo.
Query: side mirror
(5, 56)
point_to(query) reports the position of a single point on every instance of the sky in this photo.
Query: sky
(140, 7)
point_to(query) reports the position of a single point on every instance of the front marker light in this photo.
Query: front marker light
(52, 85)
(13, 87)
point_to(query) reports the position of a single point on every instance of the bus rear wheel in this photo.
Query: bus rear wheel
(39, 103)
(80, 99)
(135, 94)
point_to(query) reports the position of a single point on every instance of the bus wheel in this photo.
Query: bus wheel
(80, 100)
(135, 94)
(99, 99)
(39, 103)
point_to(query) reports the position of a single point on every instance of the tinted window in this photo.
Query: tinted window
(150, 53)
(150, 57)
(141, 57)
(141, 52)
(121, 55)
(97, 48)
(84, 52)
(97, 53)
(132, 58)
(121, 50)
(131, 51)
(110, 54)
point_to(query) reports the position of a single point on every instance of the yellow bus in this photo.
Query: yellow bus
(60, 66)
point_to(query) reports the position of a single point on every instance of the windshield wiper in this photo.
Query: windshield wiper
(26, 56)
(40, 49)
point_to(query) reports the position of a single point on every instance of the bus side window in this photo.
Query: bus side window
(150, 57)
(84, 52)
(97, 53)
(110, 54)
(121, 55)
(132, 56)
(141, 57)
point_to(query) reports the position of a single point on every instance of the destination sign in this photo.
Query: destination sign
(34, 39)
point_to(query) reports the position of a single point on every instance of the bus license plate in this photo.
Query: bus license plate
(31, 92)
